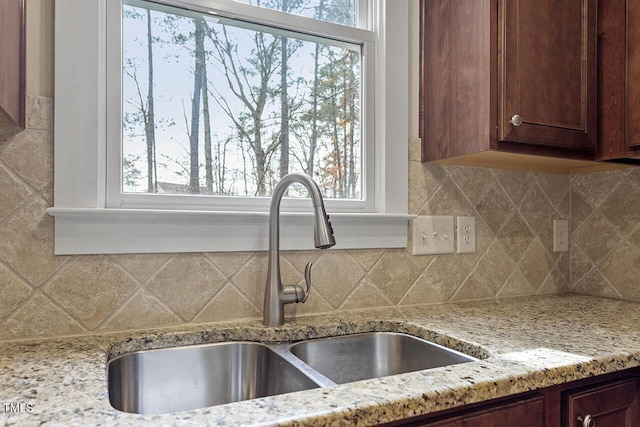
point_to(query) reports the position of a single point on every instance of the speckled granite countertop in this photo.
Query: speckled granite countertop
(523, 343)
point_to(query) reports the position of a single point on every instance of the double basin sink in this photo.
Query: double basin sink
(197, 376)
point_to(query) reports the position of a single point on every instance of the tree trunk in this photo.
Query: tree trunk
(284, 110)
(284, 101)
(194, 170)
(336, 144)
(314, 119)
(149, 125)
(261, 158)
(208, 160)
(352, 127)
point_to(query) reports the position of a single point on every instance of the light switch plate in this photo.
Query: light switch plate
(560, 235)
(433, 235)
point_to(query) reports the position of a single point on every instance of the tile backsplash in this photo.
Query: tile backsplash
(47, 295)
(605, 227)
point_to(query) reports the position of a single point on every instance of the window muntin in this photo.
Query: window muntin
(340, 159)
(344, 12)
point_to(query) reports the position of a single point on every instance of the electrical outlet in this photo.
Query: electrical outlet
(466, 234)
(560, 235)
(433, 235)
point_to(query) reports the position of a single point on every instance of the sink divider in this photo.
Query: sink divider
(283, 350)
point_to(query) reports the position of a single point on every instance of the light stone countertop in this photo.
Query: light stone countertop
(523, 343)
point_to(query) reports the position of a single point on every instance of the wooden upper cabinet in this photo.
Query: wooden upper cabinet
(619, 79)
(12, 66)
(547, 72)
(633, 74)
(485, 61)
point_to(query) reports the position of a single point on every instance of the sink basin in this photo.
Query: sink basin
(357, 357)
(184, 378)
(191, 377)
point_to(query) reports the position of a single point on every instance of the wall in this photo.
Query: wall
(47, 295)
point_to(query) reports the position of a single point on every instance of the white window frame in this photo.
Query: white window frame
(250, 14)
(85, 223)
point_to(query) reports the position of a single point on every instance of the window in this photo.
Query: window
(222, 107)
(175, 120)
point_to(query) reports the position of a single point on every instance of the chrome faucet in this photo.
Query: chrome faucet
(277, 295)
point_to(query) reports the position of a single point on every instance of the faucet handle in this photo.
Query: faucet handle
(307, 279)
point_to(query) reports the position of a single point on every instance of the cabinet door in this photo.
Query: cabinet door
(633, 74)
(528, 413)
(612, 405)
(547, 72)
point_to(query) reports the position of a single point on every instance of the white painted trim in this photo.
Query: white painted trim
(80, 110)
(84, 225)
(112, 231)
(392, 106)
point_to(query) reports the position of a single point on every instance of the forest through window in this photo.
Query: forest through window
(219, 106)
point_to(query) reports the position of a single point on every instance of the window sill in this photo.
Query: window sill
(117, 231)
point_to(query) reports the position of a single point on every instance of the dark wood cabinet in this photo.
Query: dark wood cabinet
(547, 73)
(611, 400)
(619, 79)
(614, 404)
(529, 412)
(12, 66)
(508, 76)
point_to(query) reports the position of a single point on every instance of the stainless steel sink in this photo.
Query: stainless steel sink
(191, 377)
(350, 358)
(184, 378)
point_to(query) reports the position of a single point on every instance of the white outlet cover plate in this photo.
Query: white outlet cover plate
(466, 234)
(433, 235)
(560, 235)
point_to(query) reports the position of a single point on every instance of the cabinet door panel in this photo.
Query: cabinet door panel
(633, 74)
(548, 72)
(612, 405)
